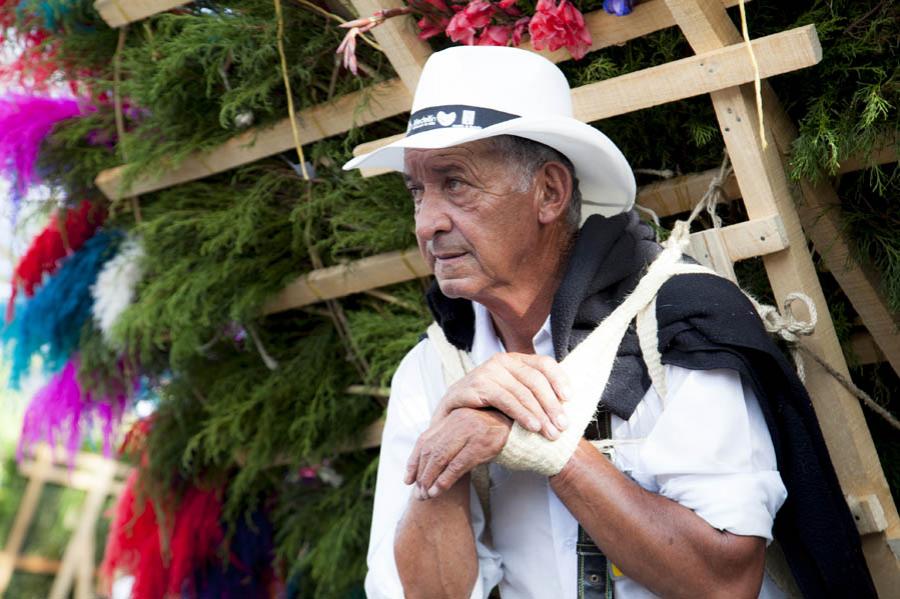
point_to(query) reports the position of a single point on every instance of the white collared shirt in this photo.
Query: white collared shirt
(709, 450)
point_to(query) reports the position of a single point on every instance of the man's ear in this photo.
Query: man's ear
(554, 189)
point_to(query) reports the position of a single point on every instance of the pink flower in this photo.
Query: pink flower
(476, 15)
(495, 35)
(430, 26)
(504, 4)
(519, 28)
(559, 26)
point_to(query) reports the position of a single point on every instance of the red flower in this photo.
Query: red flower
(495, 35)
(476, 15)
(519, 28)
(558, 26)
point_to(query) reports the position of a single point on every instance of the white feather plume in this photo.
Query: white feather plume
(115, 286)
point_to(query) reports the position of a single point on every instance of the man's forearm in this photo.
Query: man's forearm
(659, 543)
(434, 547)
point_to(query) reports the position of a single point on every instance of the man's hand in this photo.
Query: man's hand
(527, 388)
(453, 446)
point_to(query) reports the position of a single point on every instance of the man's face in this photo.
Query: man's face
(475, 227)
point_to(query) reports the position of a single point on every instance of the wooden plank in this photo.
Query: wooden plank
(35, 564)
(79, 480)
(121, 12)
(742, 241)
(708, 72)
(24, 515)
(863, 350)
(681, 194)
(361, 275)
(372, 104)
(705, 73)
(80, 545)
(765, 190)
(399, 39)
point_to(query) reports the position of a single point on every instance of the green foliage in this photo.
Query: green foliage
(848, 103)
(77, 150)
(197, 73)
(327, 528)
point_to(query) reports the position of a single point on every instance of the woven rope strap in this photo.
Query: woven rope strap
(588, 367)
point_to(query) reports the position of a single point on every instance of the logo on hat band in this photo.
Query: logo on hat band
(455, 116)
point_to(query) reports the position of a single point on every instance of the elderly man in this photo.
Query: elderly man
(501, 177)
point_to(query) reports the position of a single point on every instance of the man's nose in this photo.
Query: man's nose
(431, 216)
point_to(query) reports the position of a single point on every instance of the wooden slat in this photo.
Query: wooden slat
(121, 12)
(743, 240)
(705, 73)
(681, 194)
(35, 564)
(80, 546)
(765, 191)
(377, 102)
(22, 521)
(863, 349)
(398, 38)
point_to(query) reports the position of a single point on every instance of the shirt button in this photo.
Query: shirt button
(569, 544)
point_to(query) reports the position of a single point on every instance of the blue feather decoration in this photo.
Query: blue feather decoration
(248, 573)
(49, 324)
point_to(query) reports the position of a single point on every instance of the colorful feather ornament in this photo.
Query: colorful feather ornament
(248, 572)
(63, 413)
(24, 123)
(115, 288)
(49, 324)
(51, 245)
(133, 546)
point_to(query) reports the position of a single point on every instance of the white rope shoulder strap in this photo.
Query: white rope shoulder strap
(588, 367)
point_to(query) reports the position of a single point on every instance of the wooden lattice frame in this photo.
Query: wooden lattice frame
(759, 179)
(100, 478)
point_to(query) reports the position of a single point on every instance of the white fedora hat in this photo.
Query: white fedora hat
(467, 93)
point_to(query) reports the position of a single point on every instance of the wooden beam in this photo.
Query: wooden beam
(399, 39)
(863, 350)
(765, 191)
(35, 564)
(705, 73)
(742, 241)
(377, 102)
(121, 12)
(361, 275)
(24, 515)
(681, 194)
(80, 546)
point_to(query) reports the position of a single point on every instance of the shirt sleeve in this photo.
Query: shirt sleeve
(707, 447)
(415, 389)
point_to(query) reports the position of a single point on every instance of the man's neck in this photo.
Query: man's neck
(518, 319)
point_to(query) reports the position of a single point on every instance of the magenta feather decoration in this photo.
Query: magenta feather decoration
(62, 413)
(24, 123)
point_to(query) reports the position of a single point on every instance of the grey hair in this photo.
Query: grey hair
(528, 156)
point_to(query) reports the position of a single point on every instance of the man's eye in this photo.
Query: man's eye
(455, 184)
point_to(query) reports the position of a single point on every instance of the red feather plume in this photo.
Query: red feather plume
(52, 245)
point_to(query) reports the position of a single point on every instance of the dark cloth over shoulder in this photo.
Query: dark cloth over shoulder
(704, 322)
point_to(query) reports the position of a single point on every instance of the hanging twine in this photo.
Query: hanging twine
(120, 113)
(287, 88)
(757, 83)
(783, 324)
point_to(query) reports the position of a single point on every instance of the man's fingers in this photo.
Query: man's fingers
(462, 463)
(435, 456)
(554, 374)
(521, 397)
(412, 465)
(539, 386)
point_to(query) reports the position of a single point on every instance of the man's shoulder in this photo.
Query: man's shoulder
(419, 373)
